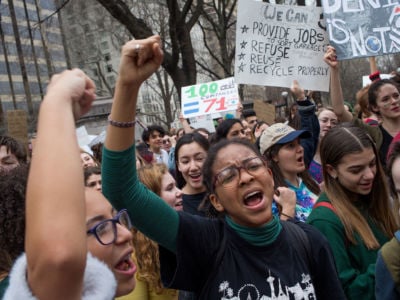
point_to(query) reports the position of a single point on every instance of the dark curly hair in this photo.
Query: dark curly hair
(15, 147)
(12, 215)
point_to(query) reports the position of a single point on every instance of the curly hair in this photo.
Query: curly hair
(15, 147)
(146, 250)
(12, 215)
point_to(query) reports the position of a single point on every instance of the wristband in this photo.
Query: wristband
(121, 124)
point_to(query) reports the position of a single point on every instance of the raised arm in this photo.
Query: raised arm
(139, 60)
(149, 213)
(309, 121)
(335, 87)
(55, 204)
(185, 124)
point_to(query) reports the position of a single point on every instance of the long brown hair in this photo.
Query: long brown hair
(338, 142)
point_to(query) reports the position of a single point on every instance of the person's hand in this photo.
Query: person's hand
(139, 60)
(297, 91)
(286, 198)
(173, 140)
(330, 57)
(75, 86)
(181, 118)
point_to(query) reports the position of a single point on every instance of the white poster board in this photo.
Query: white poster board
(276, 44)
(204, 121)
(366, 80)
(209, 98)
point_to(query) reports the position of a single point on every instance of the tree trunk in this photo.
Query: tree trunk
(182, 74)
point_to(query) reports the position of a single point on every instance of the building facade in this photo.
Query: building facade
(31, 50)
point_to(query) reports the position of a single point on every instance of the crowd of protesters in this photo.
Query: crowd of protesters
(302, 209)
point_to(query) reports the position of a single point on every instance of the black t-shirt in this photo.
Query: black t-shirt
(247, 271)
(191, 203)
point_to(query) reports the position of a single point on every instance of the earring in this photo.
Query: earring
(334, 176)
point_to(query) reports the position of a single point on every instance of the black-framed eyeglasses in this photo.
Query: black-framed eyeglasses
(106, 230)
(230, 175)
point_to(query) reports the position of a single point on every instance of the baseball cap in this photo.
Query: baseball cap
(280, 133)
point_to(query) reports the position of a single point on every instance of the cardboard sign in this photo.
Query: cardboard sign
(204, 121)
(264, 111)
(17, 121)
(276, 44)
(209, 98)
(362, 28)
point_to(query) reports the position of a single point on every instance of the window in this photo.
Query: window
(109, 68)
(111, 80)
(105, 46)
(107, 57)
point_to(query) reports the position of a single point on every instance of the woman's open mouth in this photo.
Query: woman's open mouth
(253, 199)
(126, 266)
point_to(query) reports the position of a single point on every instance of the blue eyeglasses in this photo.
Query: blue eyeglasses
(106, 230)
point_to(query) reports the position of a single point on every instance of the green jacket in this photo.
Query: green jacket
(355, 263)
(3, 286)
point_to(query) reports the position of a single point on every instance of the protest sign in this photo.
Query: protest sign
(362, 28)
(204, 121)
(83, 137)
(265, 111)
(17, 121)
(276, 44)
(209, 98)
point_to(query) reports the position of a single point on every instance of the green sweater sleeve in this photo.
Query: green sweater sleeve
(148, 212)
(356, 284)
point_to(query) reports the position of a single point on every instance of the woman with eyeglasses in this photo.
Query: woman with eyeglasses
(327, 120)
(383, 99)
(249, 254)
(354, 212)
(77, 246)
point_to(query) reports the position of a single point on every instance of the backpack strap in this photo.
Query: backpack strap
(301, 242)
(329, 205)
(325, 204)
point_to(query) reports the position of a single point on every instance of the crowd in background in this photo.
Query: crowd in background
(304, 207)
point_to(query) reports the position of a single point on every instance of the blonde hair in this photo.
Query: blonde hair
(338, 142)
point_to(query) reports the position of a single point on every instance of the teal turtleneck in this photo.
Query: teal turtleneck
(258, 236)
